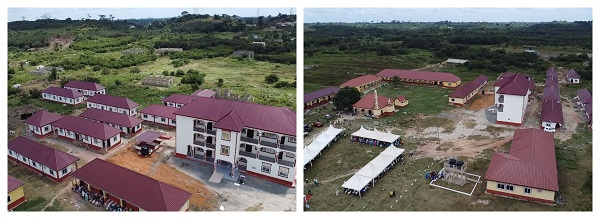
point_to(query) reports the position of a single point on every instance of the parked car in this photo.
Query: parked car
(307, 128)
(317, 124)
(327, 116)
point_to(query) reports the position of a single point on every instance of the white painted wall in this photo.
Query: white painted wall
(61, 99)
(549, 126)
(234, 138)
(184, 135)
(255, 165)
(131, 112)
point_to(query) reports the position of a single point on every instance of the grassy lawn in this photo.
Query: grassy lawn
(38, 191)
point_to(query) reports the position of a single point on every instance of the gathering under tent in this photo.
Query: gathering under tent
(356, 183)
(325, 139)
(375, 137)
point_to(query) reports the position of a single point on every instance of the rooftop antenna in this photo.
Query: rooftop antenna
(258, 13)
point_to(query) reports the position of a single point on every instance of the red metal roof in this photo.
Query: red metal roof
(584, 96)
(42, 118)
(179, 98)
(14, 183)
(551, 81)
(63, 92)
(551, 93)
(116, 101)
(517, 84)
(111, 117)
(531, 161)
(365, 79)
(573, 74)
(40, 153)
(86, 127)
(84, 85)
(551, 72)
(269, 118)
(230, 122)
(401, 98)
(135, 188)
(588, 111)
(320, 93)
(368, 101)
(468, 88)
(552, 112)
(148, 136)
(160, 110)
(419, 75)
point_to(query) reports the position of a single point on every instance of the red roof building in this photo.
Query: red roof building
(320, 97)
(551, 116)
(128, 125)
(54, 164)
(88, 133)
(573, 76)
(178, 100)
(113, 103)
(159, 114)
(421, 77)
(551, 82)
(512, 96)
(85, 87)
(378, 105)
(551, 72)
(40, 123)
(363, 83)
(583, 97)
(528, 171)
(463, 94)
(133, 190)
(62, 95)
(16, 194)
(551, 93)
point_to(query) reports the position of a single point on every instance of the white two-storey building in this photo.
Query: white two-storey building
(512, 97)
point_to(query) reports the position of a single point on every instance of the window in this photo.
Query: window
(452, 99)
(510, 188)
(547, 124)
(283, 172)
(97, 141)
(10, 152)
(9, 198)
(163, 119)
(173, 121)
(47, 128)
(24, 159)
(501, 99)
(115, 138)
(269, 135)
(500, 107)
(292, 140)
(539, 190)
(64, 171)
(527, 190)
(500, 186)
(266, 168)
(226, 135)
(51, 172)
(34, 164)
(144, 116)
(224, 150)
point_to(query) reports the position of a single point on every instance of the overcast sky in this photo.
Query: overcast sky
(350, 15)
(126, 13)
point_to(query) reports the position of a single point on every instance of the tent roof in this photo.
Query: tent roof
(393, 151)
(356, 182)
(371, 170)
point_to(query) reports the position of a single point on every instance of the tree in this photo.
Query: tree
(395, 81)
(35, 93)
(53, 74)
(271, 79)
(346, 97)
(105, 71)
(135, 70)
(220, 82)
(184, 13)
(21, 65)
(117, 82)
(261, 21)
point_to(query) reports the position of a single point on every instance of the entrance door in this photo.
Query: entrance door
(209, 153)
(209, 139)
(249, 133)
(209, 126)
(280, 155)
(282, 140)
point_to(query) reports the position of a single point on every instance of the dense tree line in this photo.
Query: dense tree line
(112, 63)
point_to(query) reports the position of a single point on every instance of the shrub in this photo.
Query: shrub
(271, 79)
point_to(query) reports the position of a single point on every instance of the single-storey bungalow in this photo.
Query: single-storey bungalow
(378, 105)
(16, 194)
(87, 133)
(128, 125)
(551, 116)
(62, 95)
(54, 164)
(363, 83)
(463, 94)
(421, 77)
(528, 171)
(113, 103)
(130, 189)
(551, 73)
(583, 98)
(551, 93)
(148, 142)
(551, 82)
(178, 100)
(85, 87)
(573, 76)
(40, 123)
(456, 61)
(159, 114)
(320, 97)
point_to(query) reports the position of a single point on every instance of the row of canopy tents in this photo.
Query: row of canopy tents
(386, 137)
(380, 164)
(325, 139)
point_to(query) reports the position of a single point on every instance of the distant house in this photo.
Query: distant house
(583, 98)
(320, 97)
(62, 95)
(531, 51)
(573, 76)
(87, 133)
(463, 94)
(178, 100)
(159, 114)
(378, 105)
(551, 73)
(263, 44)
(243, 54)
(421, 77)
(456, 61)
(511, 99)
(528, 171)
(40, 123)
(363, 83)
(128, 125)
(44, 70)
(113, 103)
(161, 51)
(130, 189)
(86, 88)
(54, 164)
(551, 82)
(204, 93)
(16, 194)
(161, 81)
(551, 116)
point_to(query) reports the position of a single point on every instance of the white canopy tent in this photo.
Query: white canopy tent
(392, 151)
(376, 134)
(371, 170)
(356, 182)
(309, 155)
(389, 137)
(362, 133)
(320, 143)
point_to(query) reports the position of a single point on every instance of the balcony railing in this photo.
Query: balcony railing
(288, 147)
(199, 129)
(286, 163)
(248, 154)
(267, 158)
(210, 159)
(249, 140)
(200, 143)
(268, 144)
(209, 145)
(212, 132)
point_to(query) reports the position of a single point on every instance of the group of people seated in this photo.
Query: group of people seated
(97, 199)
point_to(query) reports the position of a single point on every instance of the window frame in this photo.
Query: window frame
(268, 165)
(225, 135)
(525, 190)
(287, 174)
(223, 148)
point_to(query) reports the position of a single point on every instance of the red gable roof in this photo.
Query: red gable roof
(419, 75)
(401, 98)
(269, 118)
(42, 118)
(551, 93)
(552, 112)
(551, 81)
(84, 85)
(14, 183)
(468, 88)
(120, 102)
(588, 111)
(531, 161)
(137, 189)
(231, 122)
(320, 93)
(584, 96)
(573, 74)
(204, 93)
(160, 110)
(86, 127)
(551, 72)
(148, 136)
(179, 98)
(517, 84)
(63, 92)
(45, 155)
(111, 117)
(368, 101)
(365, 79)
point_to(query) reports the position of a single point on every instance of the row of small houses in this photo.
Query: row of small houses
(551, 116)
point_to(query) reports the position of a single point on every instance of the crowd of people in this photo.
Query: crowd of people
(97, 199)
